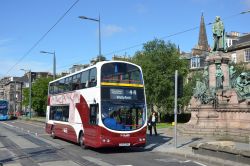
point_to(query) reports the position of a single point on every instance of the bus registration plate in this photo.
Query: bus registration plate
(124, 144)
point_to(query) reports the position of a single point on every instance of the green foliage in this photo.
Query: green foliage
(159, 60)
(39, 95)
(240, 68)
(25, 101)
(189, 87)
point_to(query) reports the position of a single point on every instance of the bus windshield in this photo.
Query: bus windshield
(3, 112)
(3, 107)
(123, 115)
(121, 73)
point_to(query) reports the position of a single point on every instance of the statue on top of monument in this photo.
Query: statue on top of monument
(219, 35)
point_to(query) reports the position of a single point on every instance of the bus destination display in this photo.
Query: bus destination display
(123, 94)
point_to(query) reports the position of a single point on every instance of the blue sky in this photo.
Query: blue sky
(124, 23)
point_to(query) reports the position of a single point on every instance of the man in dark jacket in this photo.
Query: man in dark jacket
(152, 122)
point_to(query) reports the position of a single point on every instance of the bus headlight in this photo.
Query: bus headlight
(104, 140)
(141, 139)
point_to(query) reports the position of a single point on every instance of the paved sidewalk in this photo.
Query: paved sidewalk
(206, 149)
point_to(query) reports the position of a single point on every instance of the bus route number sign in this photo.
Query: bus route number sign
(123, 94)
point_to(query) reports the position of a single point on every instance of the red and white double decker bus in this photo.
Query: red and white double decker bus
(103, 105)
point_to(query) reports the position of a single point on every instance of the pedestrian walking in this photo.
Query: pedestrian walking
(152, 123)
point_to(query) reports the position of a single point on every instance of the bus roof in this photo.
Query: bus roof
(98, 64)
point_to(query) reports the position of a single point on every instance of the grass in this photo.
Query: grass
(35, 118)
(163, 125)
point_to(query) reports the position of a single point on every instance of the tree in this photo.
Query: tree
(240, 68)
(39, 95)
(159, 60)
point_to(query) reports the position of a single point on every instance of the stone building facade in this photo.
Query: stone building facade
(11, 89)
(239, 51)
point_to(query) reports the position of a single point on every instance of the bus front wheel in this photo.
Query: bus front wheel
(53, 135)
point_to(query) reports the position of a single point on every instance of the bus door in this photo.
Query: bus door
(91, 131)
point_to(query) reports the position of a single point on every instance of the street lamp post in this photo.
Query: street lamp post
(54, 61)
(30, 84)
(99, 21)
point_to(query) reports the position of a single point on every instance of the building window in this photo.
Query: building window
(195, 62)
(234, 58)
(247, 55)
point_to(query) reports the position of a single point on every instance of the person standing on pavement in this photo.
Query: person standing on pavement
(152, 122)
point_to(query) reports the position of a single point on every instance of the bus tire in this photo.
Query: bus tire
(53, 135)
(81, 141)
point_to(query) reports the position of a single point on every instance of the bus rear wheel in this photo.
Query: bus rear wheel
(81, 141)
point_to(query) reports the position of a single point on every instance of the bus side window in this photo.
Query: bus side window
(68, 84)
(93, 114)
(51, 88)
(61, 85)
(56, 89)
(92, 77)
(84, 79)
(59, 113)
(76, 81)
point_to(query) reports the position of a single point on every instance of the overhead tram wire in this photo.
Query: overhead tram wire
(171, 35)
(120, 50)
(164, 37)
(175, 34)
(28, 52)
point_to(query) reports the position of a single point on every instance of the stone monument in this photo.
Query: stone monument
(221, 101)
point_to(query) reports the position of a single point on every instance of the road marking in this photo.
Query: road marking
(61, 163)
(7, 124)
(13, 164)
(96, 161)
(149, 146)
(187, 161)
(199, 163)
(32, 124)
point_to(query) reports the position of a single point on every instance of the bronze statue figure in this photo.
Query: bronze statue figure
(219, 35)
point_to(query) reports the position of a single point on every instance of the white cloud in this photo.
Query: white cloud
(110, 30)
(5, 41)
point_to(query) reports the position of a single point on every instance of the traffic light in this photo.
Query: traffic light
(180, 86)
